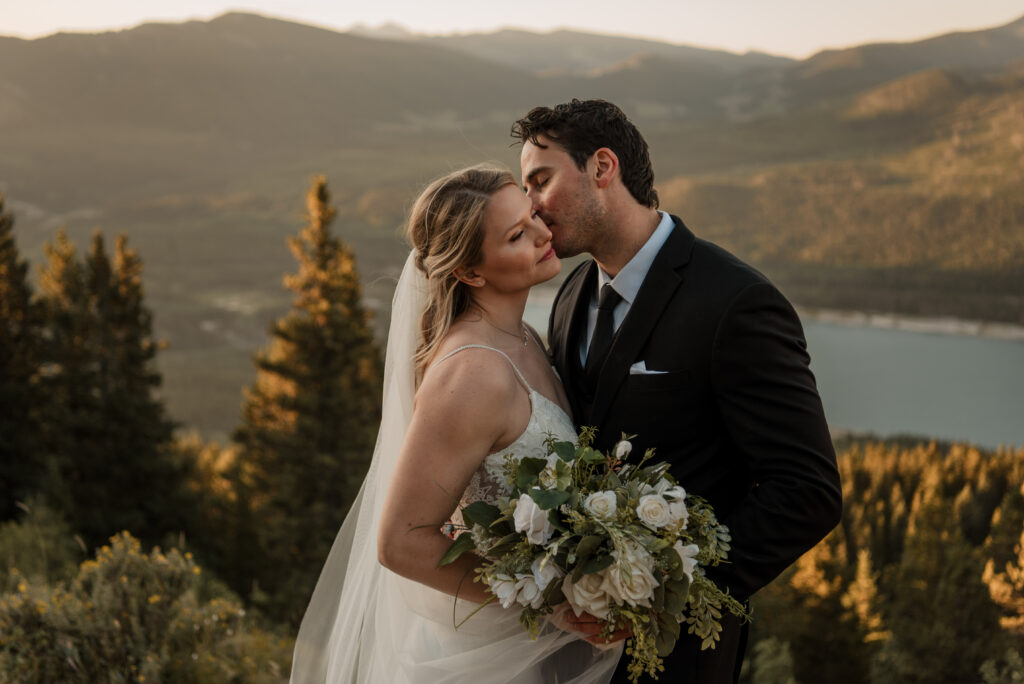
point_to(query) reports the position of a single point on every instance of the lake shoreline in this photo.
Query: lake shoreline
(541, 299)
(931, 325)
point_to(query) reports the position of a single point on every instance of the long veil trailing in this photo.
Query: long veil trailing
(367, 624)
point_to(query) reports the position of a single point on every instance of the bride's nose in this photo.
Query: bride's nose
(543, 234)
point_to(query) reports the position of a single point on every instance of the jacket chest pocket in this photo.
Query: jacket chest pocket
(679, 382)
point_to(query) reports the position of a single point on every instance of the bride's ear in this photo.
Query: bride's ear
(469, 277)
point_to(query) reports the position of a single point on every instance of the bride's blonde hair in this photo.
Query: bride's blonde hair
(446, 227)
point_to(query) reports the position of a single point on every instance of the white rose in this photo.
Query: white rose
(678, 513)
(633, 585)
(687, 554)
(531, 519)
(622, 449)
(587, 595)
(504, 589)
(653, 511)
(600, 504)
(527, 591)
(544, 573)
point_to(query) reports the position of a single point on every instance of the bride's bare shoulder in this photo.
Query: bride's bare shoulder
(463, 374)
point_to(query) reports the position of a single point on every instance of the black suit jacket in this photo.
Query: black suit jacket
(737, 413)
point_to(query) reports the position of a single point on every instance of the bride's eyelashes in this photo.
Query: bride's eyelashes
(516, 236)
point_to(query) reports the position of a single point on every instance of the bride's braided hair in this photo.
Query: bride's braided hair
(446, 227)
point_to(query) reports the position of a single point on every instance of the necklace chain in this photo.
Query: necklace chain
(526, 337)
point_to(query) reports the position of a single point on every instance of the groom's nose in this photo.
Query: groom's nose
(534, 197)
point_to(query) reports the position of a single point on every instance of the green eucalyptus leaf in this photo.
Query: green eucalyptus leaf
(480, 513)
(548, 499)
(462, 543)
(529, 469)
(664, 641)
(565, 450)
(669, 623)
(504, 545)
(680, 587)
(597, 564)
(587, 546)
(556, 520)
(674, 603)
(553, 593)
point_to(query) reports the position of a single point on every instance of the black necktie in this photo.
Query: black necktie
(604, 331)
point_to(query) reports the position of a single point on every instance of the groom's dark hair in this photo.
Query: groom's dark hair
(581, 127)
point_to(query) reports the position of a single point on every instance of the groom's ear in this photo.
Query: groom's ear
(470, 277)
(605, 166)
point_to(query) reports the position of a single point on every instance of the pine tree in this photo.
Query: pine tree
(944, 623)
(67, 378)
(20, 459)
(861, 598)
(309, 421)
(107, 432)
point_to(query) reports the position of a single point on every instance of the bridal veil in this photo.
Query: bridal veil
(365, 624)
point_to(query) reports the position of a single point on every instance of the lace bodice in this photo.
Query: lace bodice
(546, 417)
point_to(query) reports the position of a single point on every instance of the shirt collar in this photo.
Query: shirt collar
(628, 281)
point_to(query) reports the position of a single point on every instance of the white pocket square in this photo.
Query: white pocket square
(640, 368)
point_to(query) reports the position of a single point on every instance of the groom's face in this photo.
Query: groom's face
(562, 195)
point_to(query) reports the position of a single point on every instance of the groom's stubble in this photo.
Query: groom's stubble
(573, 212)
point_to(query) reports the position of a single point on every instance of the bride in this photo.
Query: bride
(466, 382)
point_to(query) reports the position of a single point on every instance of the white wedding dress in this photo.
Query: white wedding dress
(365, 624)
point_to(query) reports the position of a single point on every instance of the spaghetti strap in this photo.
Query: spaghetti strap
(455, 351)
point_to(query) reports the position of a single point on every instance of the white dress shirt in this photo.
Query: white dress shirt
(628, 281)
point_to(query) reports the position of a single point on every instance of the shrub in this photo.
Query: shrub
(129, 616)
(38, 547)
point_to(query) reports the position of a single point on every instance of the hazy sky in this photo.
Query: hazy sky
(796, 28)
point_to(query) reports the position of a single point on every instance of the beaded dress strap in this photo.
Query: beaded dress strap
(519, 374)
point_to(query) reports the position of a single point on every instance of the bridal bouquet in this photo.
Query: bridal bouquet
(621, 541)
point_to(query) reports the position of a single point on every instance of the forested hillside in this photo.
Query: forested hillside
(882, 178)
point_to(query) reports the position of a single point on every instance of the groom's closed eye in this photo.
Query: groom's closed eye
(536, 179)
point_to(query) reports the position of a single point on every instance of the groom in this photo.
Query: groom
(671, 338)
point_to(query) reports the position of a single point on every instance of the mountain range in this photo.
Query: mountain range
(883, 177)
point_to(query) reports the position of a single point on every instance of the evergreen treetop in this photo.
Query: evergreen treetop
(309, 420)
(20, 469)
(107, 435)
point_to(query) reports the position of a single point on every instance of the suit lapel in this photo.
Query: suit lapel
(569, 321)
(663, 279)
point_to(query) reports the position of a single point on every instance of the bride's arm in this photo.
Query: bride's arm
(462, 410)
